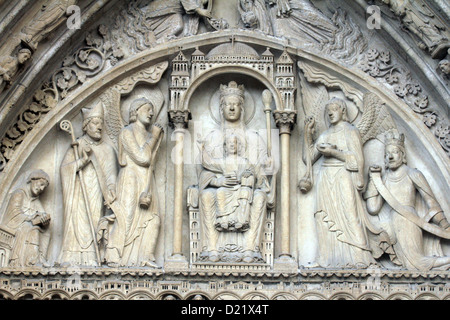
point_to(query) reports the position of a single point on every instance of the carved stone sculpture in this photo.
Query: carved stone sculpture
(234, 189)
(444, 67)
(136, 215)
(135, 229)
(88, 177)
(417, 18)
(27, 220)
(165, 18)
(411, 208)
(255, 16)
(292, 19)
(340, 213)
(234, 215)
(300, 18)
(9, 66)
(51, 15)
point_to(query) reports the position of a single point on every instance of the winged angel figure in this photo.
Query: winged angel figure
(341, 219)
(373, 123)
(132, 238)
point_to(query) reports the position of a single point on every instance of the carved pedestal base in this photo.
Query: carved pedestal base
(285, 264)
(176, 262)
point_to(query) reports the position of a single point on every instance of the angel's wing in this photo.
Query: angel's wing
(113, 118)
(376, 119)
(315, 98)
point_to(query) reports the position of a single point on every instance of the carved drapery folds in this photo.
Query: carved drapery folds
(22, 44)
(76, 69)
(423, 25)
(234, 191)
(25, 223)
(177, 150)
(109, 43)
(228, 221)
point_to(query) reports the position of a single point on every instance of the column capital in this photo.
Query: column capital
(179, 119)
(285, 120)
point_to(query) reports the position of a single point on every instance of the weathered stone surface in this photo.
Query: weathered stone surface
(197, 150)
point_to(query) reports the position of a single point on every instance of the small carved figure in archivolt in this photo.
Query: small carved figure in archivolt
(46, 20)
(27, 220)
(444, 67)
(297, 20)
(168, 19)
(9, 66)
(417, 18)
(411, 208)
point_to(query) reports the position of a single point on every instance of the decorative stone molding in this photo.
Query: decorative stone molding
(77, 68)
(380, 65)
(307, 285)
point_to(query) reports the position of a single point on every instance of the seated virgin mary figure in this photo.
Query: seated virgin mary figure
(234, 189)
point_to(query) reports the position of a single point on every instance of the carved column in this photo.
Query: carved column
(285, 121)
(179, 120)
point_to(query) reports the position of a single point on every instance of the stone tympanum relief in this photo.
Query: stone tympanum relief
(260, 158)
(344, 231)
(412, 216)
(300, 24)
(340, 211)
(234, 188)
(88, 176)
(111, 205)
(135, 225)
(25, 223)
(110, 198)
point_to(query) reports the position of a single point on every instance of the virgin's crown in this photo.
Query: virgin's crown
(232, 89)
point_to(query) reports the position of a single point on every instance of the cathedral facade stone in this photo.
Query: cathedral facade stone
(224, 150)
